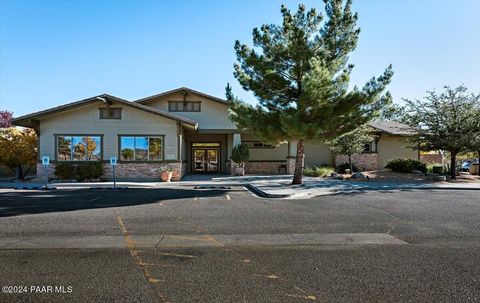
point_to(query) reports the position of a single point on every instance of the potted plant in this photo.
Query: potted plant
(240, 155)
(176, 176)
(166, 174)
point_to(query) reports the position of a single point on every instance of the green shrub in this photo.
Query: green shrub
(435, 168)
(342, 167)
(89, 170)
(65, 170)
(318, 171)
(406, 165)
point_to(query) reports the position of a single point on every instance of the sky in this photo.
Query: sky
(56, 52)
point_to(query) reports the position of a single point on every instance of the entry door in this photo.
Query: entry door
(205, 160)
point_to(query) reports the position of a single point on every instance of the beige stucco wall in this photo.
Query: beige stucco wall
(279, 153)
(317, 154)
(85, 120)
(394, 147)
(213, 115)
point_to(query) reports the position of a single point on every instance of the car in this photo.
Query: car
(466, 165)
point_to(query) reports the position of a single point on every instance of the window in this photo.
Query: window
(258, 144)
(110, 113)
(205, 144)
(184, 106)
(141, 148)
(79, 148)
(369, 148)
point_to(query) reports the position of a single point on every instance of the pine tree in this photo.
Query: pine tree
(299, 72)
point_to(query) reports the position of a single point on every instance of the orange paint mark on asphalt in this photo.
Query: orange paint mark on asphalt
(311, 298)
(138, 260)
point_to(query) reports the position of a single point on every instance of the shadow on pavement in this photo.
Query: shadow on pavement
(16, 203)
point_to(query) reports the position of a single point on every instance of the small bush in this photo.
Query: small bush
(65, 171)
(342, 167)
(318, 171)
(240, 154)
(406, 165)
(89, 170)
(435, 168)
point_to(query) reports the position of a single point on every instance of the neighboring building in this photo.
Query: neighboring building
(186, 130)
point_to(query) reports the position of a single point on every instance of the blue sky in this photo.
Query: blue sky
(55, 52)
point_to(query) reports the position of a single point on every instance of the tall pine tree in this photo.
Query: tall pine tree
(299, 72)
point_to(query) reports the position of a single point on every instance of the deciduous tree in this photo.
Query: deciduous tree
(445, 121)
(351, 143)
(18, 148)
(299, 73)
(5, 119)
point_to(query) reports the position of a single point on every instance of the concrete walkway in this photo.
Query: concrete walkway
(311, 187)
(170, 241)
(188, 180)
(268, 186)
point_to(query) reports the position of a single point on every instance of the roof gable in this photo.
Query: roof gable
(27, 120)
(180, 90)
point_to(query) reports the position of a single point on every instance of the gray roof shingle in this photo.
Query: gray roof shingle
(392, 128)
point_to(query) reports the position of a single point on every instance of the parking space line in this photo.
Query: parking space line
(303, 294)
(139, 261)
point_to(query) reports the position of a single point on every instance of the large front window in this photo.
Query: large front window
(140, 148)
(79, 148)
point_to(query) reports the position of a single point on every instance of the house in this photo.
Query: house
(185, 130)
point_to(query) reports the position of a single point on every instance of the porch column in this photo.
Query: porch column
(237, 140)
(291, 157)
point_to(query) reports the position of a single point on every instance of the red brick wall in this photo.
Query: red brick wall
(265, 167)
(431, 158)
(366, 161)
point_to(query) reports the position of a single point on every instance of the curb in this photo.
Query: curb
(35, 188)
(263, 194)
(257, 191)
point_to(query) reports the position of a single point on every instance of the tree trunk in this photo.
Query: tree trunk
(299, 161)
(350, 163)
(26, 172)
(18, 172)
(453, 166)
(478, 171)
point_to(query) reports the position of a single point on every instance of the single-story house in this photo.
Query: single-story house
(186, 130)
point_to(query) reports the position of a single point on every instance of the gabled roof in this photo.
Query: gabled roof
(26, 120)
(392, 128)
(180, 90)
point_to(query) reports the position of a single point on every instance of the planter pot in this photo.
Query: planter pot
(239, 171)
(166, 176)
(176, 176)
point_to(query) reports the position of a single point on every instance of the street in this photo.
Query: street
(419, 246)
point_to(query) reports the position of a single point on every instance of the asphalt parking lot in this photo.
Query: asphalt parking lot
(435, 256)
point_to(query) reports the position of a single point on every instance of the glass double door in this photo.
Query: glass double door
(206, 160)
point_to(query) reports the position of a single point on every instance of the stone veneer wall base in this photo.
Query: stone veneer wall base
(131, 171)
(366, 161)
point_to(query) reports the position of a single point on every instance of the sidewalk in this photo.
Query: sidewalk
(188, 180)
(311, 187)
(268, 186)
(171, 241)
